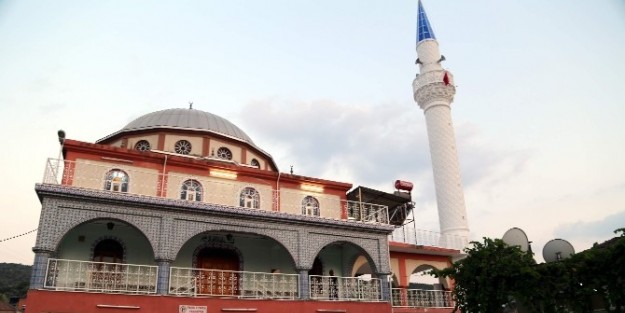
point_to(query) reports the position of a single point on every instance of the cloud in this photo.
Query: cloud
(371, 145)
(592, 230)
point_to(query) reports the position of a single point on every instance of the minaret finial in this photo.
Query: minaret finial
(424, 30)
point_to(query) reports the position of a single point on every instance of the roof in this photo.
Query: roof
(5, 307)
(186, 119)
(424, 30)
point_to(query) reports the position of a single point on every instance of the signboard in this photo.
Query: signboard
(191, 309)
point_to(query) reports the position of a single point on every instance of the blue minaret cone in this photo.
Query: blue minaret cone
(424, 30)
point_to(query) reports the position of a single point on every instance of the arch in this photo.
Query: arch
(249, 197)
(217, 245)
(72, 221)
(374, 249)
(191, 190)
(358, 248)
(194, 230)
(116, 180)
(426, 267)
(109, 249)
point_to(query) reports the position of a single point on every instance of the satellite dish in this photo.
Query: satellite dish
(557, 249)
(516, 237)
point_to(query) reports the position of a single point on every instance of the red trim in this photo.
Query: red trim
(40, 301)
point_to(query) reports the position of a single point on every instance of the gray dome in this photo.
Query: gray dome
(189, 119)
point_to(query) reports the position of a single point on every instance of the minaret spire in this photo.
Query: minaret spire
(434, 91)
(424, 30)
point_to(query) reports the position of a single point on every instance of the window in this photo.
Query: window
(191, 190)
(108, 250)
(182, 147)
(249, 198)
(310, 206)
(224, 153)
(255, 163)
(116, 180)
(142, 145)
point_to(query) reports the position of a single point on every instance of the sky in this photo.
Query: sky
(325, 86)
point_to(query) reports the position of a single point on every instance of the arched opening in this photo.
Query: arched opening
(421, 279)
(348, 274)
(219, 274)
(109, 251)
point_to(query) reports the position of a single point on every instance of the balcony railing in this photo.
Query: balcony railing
(414, 236)
(100, 277)
(419, 298)
(238, 284)
(92, 175)
(345, 288)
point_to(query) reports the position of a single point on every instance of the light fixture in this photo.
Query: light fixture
(223, 174)
(110, 225)
(311, 187)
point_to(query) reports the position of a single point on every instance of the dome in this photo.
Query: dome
(187, 119)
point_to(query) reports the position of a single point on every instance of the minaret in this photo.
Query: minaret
(434, 91)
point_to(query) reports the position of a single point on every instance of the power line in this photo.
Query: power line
(20, 235)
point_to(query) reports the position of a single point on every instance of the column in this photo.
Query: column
(40, 267)
(162, 284)
(385, 286)
(304, 292)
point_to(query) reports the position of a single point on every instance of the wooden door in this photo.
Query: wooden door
(220, 275)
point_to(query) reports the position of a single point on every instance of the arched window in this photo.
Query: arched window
(249, 198)
(109, 251)
(224, 153)
(116, 180)
(310, 206)
(255, 163)
(142, 145)
(182, 147)
(191, 190)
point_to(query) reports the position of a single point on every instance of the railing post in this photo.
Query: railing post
(304, 290)
(40, 267)
(162, 283)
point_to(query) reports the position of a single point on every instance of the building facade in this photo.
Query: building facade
(180, 211)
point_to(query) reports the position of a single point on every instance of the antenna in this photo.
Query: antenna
(516, 237)
(557, 250)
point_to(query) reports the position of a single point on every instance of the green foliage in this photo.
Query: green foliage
(494, 277)
(14, 280)
(490, 276)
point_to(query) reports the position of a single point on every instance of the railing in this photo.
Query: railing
(367, 212)
(100, 277)
(238, 284)
(421, 298)
(344, 288)
(93, 175)
(408, 234)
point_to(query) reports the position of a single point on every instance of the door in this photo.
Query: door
(219, 274)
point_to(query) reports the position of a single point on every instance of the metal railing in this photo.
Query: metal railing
(238, 284)
(93, 175)
(420, 298)
(366, 212)
(408, 234)
(100, 276)
(344, 288)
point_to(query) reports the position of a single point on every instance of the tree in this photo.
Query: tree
(495, 277)
(492, 277)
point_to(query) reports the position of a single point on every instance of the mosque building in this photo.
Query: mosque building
(180, 211)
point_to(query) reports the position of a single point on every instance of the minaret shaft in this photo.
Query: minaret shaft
(434, 91)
